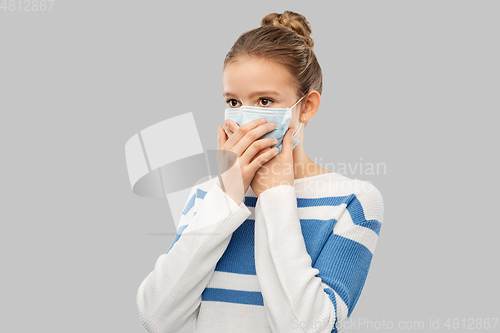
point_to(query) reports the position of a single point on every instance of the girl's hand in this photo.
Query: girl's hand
(278, 170)
(250, 155)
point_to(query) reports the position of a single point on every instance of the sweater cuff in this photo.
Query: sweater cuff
(223, 204)
(279, 196)
(219, 212)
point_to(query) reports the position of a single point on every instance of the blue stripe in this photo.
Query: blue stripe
(354, 208)
(311, 202)
(316, 233)
(190, 204)
(239, 256)
(325, 201)
(250, 201)
(374, 225)
(178, 235)
(343, 265)
(232, 296)
(331, 295)
(356, 211)
(351, 201)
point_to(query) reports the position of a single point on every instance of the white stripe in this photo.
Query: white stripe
(362, 235)
(342, 310)
(233, 281)
(372, 203)
(216, 317)
(321, 212)
(345, 227)
(345, 222)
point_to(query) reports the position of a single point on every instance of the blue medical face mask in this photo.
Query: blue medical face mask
(281, 117)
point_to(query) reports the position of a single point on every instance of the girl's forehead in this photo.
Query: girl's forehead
(252, 74)
(254, 64)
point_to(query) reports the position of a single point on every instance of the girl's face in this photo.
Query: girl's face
(259, 82)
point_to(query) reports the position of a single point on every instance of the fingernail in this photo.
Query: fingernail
(262, 120)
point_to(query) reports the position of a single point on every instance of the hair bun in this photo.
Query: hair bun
(293, 21)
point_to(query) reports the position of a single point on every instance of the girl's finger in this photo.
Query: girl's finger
(263, 151)
(231, 127)
(228, 132)
(263, 158)
(286, 148)
(221, 138)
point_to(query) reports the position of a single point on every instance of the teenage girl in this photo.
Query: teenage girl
(278, 243)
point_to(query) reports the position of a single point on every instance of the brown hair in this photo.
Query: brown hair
(286, 39)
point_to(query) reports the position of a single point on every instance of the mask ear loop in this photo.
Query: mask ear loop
(297, 102)
(293, 135)
(297, 131)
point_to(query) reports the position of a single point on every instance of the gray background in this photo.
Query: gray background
(412, 84)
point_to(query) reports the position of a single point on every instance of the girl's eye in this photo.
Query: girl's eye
(269, 101)
(230, 102)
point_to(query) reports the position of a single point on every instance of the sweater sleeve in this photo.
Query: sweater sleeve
(169, 298)
(299, 296)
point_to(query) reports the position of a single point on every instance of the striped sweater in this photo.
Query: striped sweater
(295, 259)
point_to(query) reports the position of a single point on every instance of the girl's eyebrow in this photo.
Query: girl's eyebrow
(266, 92)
